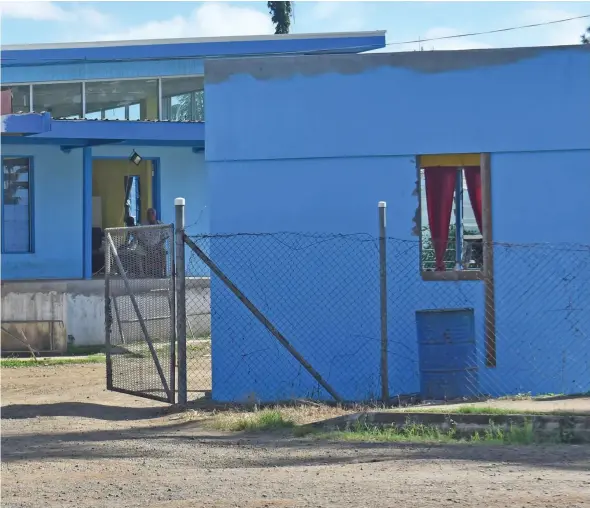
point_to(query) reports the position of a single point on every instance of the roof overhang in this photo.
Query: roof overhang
(47, 54)
(80, 133)
(25, 124)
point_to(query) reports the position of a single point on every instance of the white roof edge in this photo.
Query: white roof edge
(191, 40)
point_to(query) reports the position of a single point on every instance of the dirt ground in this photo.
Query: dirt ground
(68, 442)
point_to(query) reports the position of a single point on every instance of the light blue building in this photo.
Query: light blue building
(73, 114)
(356, 130)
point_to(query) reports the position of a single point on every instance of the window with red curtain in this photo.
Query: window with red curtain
(440, 190)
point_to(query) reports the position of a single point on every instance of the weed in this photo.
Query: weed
(260, 420)
(13, 363)
(417, 432)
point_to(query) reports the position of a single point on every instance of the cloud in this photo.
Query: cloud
(333, 16)
(36, 11)
(50, 11)
(557, 34)
(208, 20)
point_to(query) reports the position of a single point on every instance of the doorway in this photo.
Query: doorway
(121, 190)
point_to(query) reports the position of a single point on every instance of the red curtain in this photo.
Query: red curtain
(6, 103)
(473, 179)
(440, 190)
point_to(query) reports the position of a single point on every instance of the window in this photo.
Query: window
(451, 216)
(134, 99)
(62, 100)
(16, 205)
(183, 99)
(21, 98)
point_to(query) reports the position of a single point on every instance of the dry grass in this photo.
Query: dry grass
(270, 417)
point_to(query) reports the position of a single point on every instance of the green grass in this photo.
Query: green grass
(486, 410)
(15, 363)
(420, 433)
(263, 420)
(84, 350)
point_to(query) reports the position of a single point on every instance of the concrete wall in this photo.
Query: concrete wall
(78, 308)
(347, 137)
(57, 216)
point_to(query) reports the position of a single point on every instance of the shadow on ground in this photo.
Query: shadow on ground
(188, 443)
(82, 410)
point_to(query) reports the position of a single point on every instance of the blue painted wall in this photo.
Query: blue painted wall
(57, 194)
(347, 139)
(58, 204)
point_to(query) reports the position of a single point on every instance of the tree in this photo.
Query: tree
(281, 13)
(586, 36)
(189, 107)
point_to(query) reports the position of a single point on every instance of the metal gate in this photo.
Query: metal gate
(140, 322)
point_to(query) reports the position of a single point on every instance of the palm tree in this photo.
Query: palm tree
(586, 36)
(281, 13)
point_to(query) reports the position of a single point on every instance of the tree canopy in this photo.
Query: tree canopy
(281, 13)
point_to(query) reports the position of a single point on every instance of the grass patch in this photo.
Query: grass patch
(484, 410)
(84, 350)
(420, 433)
(265, 419)
(15, 363)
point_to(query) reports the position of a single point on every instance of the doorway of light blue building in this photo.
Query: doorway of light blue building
(121, 189)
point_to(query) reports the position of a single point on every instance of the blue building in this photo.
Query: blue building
(73, 114)
(406, 129)
(301, 145)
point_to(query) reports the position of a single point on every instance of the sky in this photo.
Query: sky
(25, 22)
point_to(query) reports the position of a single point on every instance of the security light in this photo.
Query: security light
(135, 158)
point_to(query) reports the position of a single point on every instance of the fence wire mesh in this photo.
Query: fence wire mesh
(140, 309)
(322, 292)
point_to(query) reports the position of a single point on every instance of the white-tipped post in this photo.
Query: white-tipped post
(383, 298)
(180, 300)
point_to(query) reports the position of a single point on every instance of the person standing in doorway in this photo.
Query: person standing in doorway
(152, 245)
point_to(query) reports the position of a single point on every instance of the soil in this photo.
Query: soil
(66, 441)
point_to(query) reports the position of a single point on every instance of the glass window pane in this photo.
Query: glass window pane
(183, 99)
(21, 98)
(115, 99)
(62, 100)
(16, 219)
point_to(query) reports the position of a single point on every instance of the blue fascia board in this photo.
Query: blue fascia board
(125, 130)
(80, 133)
(85, 55)
(26, 123)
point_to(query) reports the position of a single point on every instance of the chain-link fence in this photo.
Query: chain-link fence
(140, 310)
(284, 316)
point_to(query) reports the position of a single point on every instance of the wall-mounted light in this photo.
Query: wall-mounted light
(135, 158)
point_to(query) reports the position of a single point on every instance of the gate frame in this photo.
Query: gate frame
(169, 386)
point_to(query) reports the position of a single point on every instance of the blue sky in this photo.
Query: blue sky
(37, 22)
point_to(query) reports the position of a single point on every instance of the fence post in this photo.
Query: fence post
(383, 298)
(180, 300)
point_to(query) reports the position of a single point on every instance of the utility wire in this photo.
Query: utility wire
(498, 30)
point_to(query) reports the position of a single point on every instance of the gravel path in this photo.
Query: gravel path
(68, 442)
